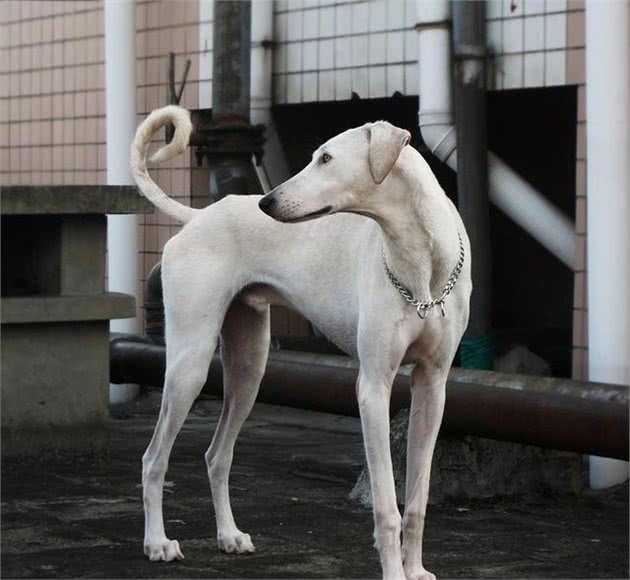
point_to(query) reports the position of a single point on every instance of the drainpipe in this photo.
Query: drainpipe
(469, 50)
(274, 169)
(508, 191)
(120, 92)
(608, 206)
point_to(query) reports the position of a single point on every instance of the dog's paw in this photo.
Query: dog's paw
(163, 551)
(237, 543)
(419, 574)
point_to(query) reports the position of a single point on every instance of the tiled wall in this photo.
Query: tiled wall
(52, 98)
(326, 50)
(532, 42)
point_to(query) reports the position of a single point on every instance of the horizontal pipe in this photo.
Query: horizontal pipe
(529, 417)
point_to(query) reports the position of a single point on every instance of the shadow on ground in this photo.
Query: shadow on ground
(292, 473)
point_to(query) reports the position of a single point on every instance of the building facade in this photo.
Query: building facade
(52, 100)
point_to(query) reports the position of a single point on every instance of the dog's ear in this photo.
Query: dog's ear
(386, 143)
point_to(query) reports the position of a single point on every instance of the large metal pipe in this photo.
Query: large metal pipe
(535, 418)
(469, 50)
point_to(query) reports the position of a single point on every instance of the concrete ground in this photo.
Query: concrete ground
(293, 470)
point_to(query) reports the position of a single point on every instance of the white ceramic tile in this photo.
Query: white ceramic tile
(395, 14)
(556, 6)
(360, 82)
(327, 85)
(326, 54)
(309, 87)
(327, 22)
(395, 79)
(295, 4)
(555, 68)
(310, 50)
(411, 45)
(311, 23)
(493, 8)
(360, 50)
(411, 79)
(294, 88)
(534, 6)
(343, 52)
(343, 17)
(395, 46)
(513, 71)
(494, 33)
(360, 17)
(279, 5)
(378, 15)
(556, 31)
(411, 12)
(294, 56)
(343, 84)
(535, 69)
(310, 3)
(377, 48)
(378, 83)
(513, 35)
(534, 33)
(294, 26)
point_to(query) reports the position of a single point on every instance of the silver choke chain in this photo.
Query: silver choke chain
(422, 308)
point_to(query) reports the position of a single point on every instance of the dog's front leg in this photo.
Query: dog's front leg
(373, 391)
(428, 389)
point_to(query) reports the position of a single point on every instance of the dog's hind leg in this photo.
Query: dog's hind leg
(244, 350)
(191, 341)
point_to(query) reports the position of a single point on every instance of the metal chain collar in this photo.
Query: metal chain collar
(422, 308)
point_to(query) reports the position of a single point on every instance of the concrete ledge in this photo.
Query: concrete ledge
(33, 309)
(72, 199)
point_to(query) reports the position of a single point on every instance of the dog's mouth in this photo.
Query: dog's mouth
(309, 216)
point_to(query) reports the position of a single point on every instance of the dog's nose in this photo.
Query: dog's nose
(267, 202)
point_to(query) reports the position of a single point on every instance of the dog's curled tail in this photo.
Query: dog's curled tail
(183, 127)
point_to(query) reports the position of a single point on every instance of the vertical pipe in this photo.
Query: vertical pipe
(274, 160)
(231, 61)
(608, 205)
(469, 50)
(120, 93)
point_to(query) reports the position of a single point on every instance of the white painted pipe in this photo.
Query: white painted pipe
(120, 93)
(608, 205)
(509, 191)
(275, 167)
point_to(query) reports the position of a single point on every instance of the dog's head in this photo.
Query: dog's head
(346, 174)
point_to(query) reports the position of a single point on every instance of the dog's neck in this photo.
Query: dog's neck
(419, 228)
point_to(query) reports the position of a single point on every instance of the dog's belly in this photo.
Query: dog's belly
(259, 296)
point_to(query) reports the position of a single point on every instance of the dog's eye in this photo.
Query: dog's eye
(325, 158)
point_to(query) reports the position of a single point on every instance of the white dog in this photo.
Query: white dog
(389, 290)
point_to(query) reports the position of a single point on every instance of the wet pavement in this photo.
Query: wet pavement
(292, 473)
